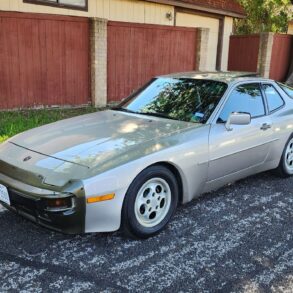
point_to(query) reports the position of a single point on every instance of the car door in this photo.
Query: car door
(244, 146)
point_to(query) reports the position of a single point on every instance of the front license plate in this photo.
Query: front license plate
(4, 195)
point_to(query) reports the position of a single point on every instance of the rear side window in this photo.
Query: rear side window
(245, 98)
(273, 97)
(288, 90)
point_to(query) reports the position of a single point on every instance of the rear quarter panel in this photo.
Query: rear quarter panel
(282, 124)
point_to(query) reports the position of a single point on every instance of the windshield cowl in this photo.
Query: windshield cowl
(152, 114)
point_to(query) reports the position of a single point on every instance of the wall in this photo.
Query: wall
(192, 20)
(228, 29)
(118, 10)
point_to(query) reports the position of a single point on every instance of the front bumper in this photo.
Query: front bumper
(31, 205)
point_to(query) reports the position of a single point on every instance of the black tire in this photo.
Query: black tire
(282, 169)
(130, 224)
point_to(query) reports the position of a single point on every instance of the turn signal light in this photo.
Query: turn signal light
(101, 198)
(59, 204)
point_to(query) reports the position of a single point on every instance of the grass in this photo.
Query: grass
(14, 122)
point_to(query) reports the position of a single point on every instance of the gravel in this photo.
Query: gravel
(237, 239)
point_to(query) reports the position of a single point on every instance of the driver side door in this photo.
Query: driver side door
(244, 147)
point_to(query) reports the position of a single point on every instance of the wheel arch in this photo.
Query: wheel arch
(177, 175)
(280, 169)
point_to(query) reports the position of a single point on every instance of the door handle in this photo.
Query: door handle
(266, 126)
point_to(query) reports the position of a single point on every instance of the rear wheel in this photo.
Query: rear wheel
(150, 202)
(285, 168)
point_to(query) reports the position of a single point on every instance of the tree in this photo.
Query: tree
(264, 16)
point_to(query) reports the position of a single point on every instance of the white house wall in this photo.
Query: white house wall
(290, 28)
(228, 29)
(117, 10)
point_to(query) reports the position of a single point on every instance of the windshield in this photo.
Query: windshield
(190, 100)
(288, 90)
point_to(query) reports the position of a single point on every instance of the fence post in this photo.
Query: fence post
(98, 43)
(265, 54)
(202, 49)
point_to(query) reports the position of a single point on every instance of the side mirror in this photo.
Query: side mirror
(237, 119)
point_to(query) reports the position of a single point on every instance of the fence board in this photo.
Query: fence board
(44, 60)
(281, 56)
(243, 53)
(138, 52)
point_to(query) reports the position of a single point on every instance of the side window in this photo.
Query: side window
(245, 98)
(274, 99)
(288, 90)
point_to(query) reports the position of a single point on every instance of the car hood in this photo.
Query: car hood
(94, 139)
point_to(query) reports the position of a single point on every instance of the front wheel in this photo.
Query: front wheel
(285, 168)
(150, 202)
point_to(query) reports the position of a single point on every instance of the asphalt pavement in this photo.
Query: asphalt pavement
(236, 239)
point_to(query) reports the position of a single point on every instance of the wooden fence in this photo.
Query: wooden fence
(44, 60)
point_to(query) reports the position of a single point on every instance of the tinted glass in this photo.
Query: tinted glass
(81, 3)
(245, 98)
(190, 100)
(274, 99)
(288, 90)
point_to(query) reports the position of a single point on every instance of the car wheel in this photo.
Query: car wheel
(285, 168)
(150, 202)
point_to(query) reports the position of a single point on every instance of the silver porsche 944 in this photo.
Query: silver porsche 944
(177, 137)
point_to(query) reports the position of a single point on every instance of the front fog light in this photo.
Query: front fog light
(58, 204)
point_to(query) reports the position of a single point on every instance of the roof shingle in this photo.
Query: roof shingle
(225, 5)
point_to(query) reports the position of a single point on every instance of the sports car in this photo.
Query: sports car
(129, 167)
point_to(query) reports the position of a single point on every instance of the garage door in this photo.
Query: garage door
(191, 20)
(44, 60)
(138, 52)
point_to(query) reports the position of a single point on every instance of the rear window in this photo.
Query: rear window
(287, 89)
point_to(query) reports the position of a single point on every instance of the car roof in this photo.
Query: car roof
(228, 76)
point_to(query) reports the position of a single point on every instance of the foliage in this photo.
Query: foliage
(264, 16)
(13, 122)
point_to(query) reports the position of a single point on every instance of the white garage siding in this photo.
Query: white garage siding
(228, 29)
(290, 28)
(116, 10)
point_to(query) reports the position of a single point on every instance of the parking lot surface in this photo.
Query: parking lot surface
(236, 239)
